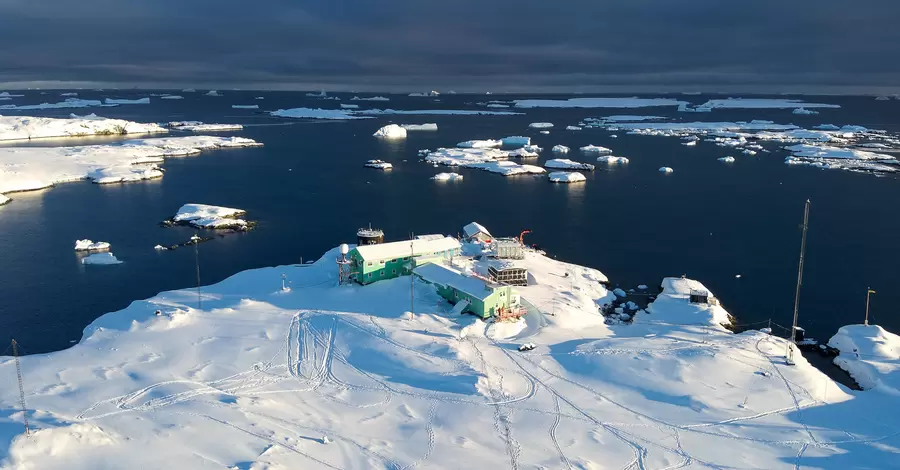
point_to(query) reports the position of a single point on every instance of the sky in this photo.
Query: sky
(465, 45)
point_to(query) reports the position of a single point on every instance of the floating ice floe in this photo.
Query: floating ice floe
(545, 132)
(8, 95)
(435, 112)
(378, 164)
(560, 149)
(447, 177)
(100, 259)
(566, 164)
(540, 125)
(685, 108)
(245, 106)
(28, 168)
(390, 131)
(371, 98)
(160, 248)
(666, 169)
(430, 93)
(430, 126)
(619, 292)
(497, 105)
(595, 149)
(480, 144)
(749, 152)
(260, 98)
(68, 103)
(726, 159)
(566, 177)
(71, 93)
(804, 111)
(690, 143)
(629, 118)
(207, 216)
(189, 90)
(642, 287)
(349, 106)
(611, 160)
(573, 128)
(882, 98)
(90, 245)
(839, 158)
(633, 102)
(213, 93)
(171, 97)
(314, 113)
(762, 103)
(28, 127)
(126, 101)
(197, 126)
(524, 153)
(488, 159)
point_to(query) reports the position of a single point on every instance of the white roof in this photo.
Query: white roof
(475, 228)
(435, 236)
(440, 274)
(402, 249)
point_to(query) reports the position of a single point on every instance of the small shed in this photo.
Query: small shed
(475, 232)
(699, 297)
(474, 295)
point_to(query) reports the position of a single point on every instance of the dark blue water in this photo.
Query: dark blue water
(309, 191)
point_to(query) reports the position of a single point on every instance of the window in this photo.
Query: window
(370, 275)
(369, 263)
(381, 262)
(381, 273)
(394, 260)
(406, 258)
(393, 271)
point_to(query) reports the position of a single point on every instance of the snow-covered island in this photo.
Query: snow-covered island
(212, 217)
(345, 376)
(30, 127)
(30, 168)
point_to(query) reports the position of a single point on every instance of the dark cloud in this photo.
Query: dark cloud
(464, 44)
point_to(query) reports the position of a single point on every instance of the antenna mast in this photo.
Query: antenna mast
(196, 240)
(15, 348)
(412, 278)
(789, 357)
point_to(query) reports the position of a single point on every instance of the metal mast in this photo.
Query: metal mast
(412, 278)
(800, 272)
(15, 348)
(196, 240)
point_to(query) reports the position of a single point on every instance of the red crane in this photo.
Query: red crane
(522, 236)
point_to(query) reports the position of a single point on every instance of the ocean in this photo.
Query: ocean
(735, 227)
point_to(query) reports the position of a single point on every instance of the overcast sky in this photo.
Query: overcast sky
(466, 45)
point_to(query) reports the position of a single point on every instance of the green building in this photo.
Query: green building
(470, 294)
(371, 263)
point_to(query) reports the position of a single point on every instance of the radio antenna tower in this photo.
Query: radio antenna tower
(15, 348)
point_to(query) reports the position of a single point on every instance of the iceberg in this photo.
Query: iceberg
(125, 173)
(207, 216)
(372, 98)
(726, 159)
(488, 159)
(89, 245)
(877, 98)
(762, 103)
(545, 132)
(189, 90)
(447, 177)
(804, 111)
(560, 149)
(685, 108)
(100, 259)
(595, 149)
(573, 128)
(497, 105)
(313, 113)
(480, 144)
(611, 160)
(666, 169)
(197, 126)
(171, 97)
(540, 125)
(68, 94)
(390, 131)
(629, 118)
(124, 101)
(633, 102)
(566, 164)
(349, 106)
(29, 127)
(516, 141)
(213, 93)
(523, 153)
(420, 127)
(430, 93)
(566, 177)
(6, 94)
(245, 106)
(435, 112)
(378, 164)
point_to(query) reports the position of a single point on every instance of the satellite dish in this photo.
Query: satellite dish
(344, 249)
